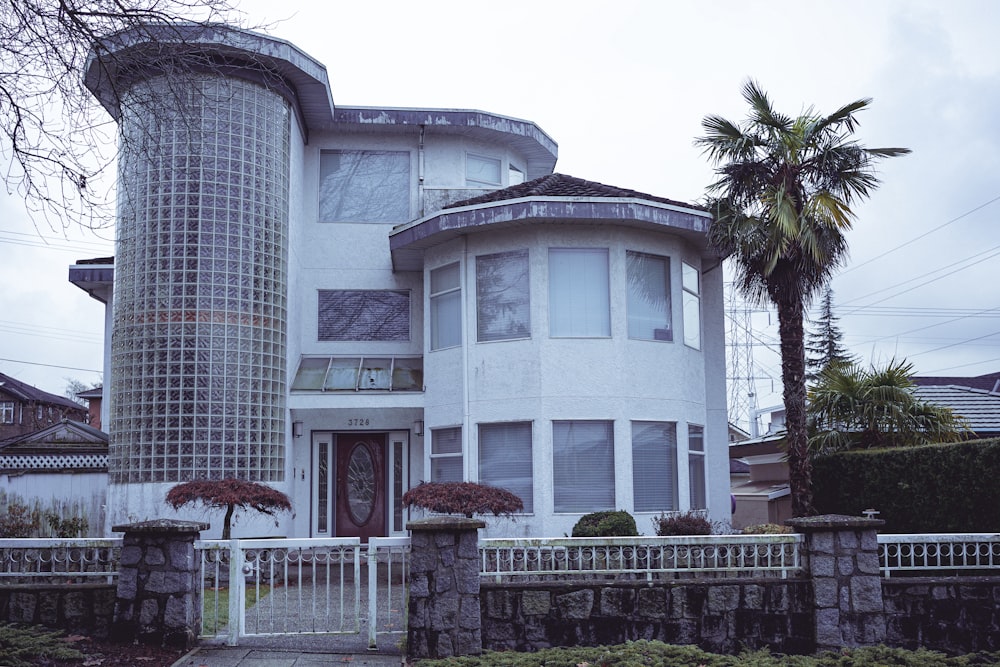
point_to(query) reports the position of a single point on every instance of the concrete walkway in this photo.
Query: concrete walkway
(248, 656)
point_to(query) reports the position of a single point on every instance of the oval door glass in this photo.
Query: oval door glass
(361, 484)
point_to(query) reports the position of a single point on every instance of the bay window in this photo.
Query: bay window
(579, 298)
(583, 466)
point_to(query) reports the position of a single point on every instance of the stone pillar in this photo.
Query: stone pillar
(158, 599)
(842, 553)
(444, 616)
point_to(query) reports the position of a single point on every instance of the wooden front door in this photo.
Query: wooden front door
(361, 485)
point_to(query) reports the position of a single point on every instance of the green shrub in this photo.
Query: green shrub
(687, 523)
(19, 521)
(606, 524)
(949, 488)
(767, 529)
(27, 646)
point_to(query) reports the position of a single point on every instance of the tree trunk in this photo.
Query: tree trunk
(227, 522)
(793, 376)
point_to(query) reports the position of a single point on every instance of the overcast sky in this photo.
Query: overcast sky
(622, 87)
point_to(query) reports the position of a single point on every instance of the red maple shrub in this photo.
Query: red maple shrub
(229, 494)
(466, 498)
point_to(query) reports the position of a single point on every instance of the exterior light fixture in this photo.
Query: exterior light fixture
(297, 429)
(418, 427)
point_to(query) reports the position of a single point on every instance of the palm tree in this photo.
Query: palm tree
(782, 203)
(851, 407)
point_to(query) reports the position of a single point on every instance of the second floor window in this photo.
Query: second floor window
(648, 297)
(579, 299)
(481, 170)
(6, 412)
(364, 186)
(696, 466)
(502, 300)
(446, 307)
(364, 315)
(691, 282)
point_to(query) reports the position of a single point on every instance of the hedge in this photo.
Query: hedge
(927, 489)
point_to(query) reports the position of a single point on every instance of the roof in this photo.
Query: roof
(27, 393)
(989, 381)
(561, 185)
(979, 407)
(61, 437)
(553, 199)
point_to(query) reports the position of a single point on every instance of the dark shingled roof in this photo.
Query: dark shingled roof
(561, 185)
(28, 393)
(986, 382)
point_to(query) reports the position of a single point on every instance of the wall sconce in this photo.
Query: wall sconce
(418, 427)
(297, 429)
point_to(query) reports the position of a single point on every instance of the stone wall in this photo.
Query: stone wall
(85, 609)
(953, 614)
(722, 615)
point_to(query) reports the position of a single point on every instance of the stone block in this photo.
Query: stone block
(495, 632)
(423, 560)
(469, 642)
(536, 603)
(128, 582)
(845, 566)
(469, 613)
(443, 646)
(155, 556)
(867, 563)
(467, 579)
(418, 585)
(653, 603)
(869, 541)
(443, 581)
(181, 556)
(130, 556)
(447, 556)
(777, 597)
(575, 605)
(444, 539)
(723, 599)
(468, 545)
(825, 593)
(820, 543)
(75, 606)
(753, 597)
(498, 604)
(941, 592)
(179, 613)
(827, 622)
(443, 611)
(149, 611)
(866, 595)
(48, 607)
(822, 565)
(848, 541)
(616, 602)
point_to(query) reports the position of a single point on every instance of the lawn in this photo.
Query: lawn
(215, 606)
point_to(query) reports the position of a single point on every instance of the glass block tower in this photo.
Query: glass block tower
(198, 354)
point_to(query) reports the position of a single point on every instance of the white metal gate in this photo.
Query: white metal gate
(266, 587)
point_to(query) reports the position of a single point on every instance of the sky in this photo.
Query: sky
(622, 87)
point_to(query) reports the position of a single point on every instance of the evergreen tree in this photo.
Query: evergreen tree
(824, 344)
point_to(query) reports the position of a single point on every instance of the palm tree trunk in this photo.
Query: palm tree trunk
(793, 376)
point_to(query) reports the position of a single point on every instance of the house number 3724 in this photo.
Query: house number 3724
(358, 422)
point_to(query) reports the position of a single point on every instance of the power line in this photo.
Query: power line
(35, 363)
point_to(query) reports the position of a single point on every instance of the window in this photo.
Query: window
(654, 466)
(481, 170)
(502, 296)
(446, 454)
(648, 297)
(505, 459)
(446, 307)
(514, 175)
(691, 282)
(6, 412)
(696, 466)
(579, 300)
(364, 186)
(364, 315)
(583, 466)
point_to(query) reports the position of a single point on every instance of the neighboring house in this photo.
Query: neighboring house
(345, 301)
(62, 468)
(758, 474)
(26, 409)
(95, 401)
(979, 407)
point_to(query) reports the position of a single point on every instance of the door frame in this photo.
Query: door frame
(397, 480)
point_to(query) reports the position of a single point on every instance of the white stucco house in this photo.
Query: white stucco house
(344, 301)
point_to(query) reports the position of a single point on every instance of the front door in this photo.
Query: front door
(361, 492)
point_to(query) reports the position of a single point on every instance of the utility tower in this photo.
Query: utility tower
(740, 368)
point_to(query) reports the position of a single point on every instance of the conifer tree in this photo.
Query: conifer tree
(824, 343)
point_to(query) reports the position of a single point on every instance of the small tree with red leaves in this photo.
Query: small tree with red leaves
(466, 498)
(230, 494)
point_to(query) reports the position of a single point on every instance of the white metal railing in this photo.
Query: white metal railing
(708, 555)
(938, 551)
(55, 560)
(303, 586)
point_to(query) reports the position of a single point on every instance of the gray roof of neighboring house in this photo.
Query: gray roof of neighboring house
(979, 407)
(27, 393)
(989, 381)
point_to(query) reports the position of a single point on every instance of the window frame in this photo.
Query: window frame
(671, 450)
(575, 280)
(436, 435)
(664, 334)
(691, 297)
(483, 159)
(519, 253)
(330, 294)
(322, 217)
(436, 299)
(528, 497)
(572, 478)
(7, 411)
(697, 454)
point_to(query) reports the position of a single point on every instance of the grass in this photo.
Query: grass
(658, 654)
(215, 606)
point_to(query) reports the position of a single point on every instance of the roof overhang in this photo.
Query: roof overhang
(139, 53)
(409, 242)
(97, 280)
(538, 148)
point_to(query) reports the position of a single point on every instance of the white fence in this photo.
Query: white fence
(303, 586)
(650, 557)
(936, 552)
(54, 560)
